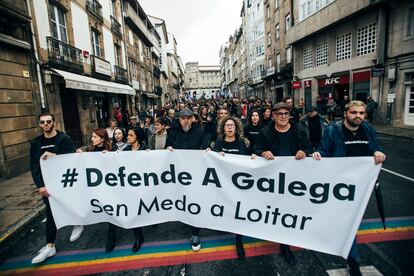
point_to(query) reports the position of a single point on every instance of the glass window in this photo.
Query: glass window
(322, 53)
(343, 46)
(410, 27)
(277, 31)
(288, 22)
(118, 60)
(367, 39)
(96, 48)
(58, 23)
(289, 54)
(307, 58)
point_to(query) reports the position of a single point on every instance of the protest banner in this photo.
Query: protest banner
(307, 203)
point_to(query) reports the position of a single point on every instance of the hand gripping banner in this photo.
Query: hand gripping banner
(306, 203)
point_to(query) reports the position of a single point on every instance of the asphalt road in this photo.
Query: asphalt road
(390, 254)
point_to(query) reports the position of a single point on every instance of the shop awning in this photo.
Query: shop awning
(75, 81)
(150, 95)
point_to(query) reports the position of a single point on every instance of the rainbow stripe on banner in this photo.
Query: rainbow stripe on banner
(167, 253)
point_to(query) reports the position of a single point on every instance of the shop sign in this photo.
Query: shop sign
(102, 66)
(296, 84)
(307, 83)
(391, 98)
(377, 71)
(135, 84)
(334, 81)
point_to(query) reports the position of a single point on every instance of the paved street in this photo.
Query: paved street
(166, 250)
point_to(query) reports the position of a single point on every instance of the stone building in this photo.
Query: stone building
(20, 94)
(356, 49)
(278, 55)
(202, 81)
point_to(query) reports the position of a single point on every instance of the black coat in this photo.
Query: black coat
(196, 138)
(268, 140)
(63, 145)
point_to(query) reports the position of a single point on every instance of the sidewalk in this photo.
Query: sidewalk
(20, 203)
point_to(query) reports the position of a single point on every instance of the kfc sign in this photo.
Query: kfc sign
(333, 81)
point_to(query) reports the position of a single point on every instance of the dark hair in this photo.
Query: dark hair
(46, 114)
(123, 135)
(249, 120)
(101, 132)
(140, 134)
(286, 98)
(160, 120)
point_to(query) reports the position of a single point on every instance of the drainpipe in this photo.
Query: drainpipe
(38, 70)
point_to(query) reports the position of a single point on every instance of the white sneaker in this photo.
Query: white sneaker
(45, 252)
(76, 232)
(195, 243)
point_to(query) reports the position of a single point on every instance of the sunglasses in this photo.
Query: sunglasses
(45, 122)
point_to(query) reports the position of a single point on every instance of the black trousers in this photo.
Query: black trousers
(51, 229)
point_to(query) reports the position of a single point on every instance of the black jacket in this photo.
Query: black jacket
(63, 145)
(196, 138)
(243, 149)
(268, 140)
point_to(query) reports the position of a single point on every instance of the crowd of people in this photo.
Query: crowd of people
(230, 126)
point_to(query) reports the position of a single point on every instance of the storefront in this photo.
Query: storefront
(335, 88)
(361, 85)
(88, 103)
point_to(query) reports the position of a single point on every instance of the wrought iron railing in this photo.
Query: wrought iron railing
(95, 8)
(116, 26)
(121, 74)
(63, 55)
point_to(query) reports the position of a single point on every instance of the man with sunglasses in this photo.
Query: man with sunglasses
(49, 143)
(283, 138)
(351, 137)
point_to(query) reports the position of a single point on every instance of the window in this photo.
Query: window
(113, 8)
(343, 46)
(307, 58)
(134, 72)
(367, 39)
(276, 4)
(118, 60)
(278, 62)
(268, 11)
(269, 63)
(410, 27)
(269, 39)
(322, 53)
(96, 48)
(310, 7)
(58, 23)
(277, 31)
(289, 54)
(287, 18)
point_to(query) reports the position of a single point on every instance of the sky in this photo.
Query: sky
(200, 27)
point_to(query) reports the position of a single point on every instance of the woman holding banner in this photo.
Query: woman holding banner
(231, 140)
(135, 140)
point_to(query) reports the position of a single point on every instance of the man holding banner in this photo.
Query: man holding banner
(188, 135)
(50, 143)
(283, 138)
(351, 137)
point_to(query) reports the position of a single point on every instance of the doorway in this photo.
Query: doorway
(71, 115)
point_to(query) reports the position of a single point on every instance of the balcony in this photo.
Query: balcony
(116, 27)
(132, 18)
(121, 74)
(64, 56)
(156, 71)
(95, 8)
(158, 90)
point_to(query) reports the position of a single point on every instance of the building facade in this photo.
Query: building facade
(19, 87)
(350, 49)
(202, 81)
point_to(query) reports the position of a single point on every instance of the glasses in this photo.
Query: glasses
(280, 114)
(45, 122)
(229, 125)
(357, 112)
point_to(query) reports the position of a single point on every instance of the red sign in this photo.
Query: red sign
(85, 54)
(296, 84)
(307, 83)
(333, 81)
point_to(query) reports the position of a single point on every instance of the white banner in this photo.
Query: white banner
(306, 203)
